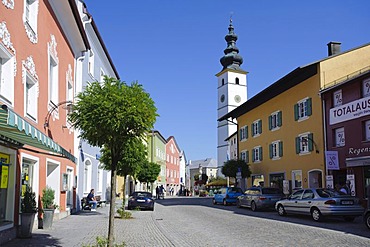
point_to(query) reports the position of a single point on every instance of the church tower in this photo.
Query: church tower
(232, 92)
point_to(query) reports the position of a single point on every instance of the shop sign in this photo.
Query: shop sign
(4, 164)
(358, 151)
(352, 110)
(329, 182)
(332, 162)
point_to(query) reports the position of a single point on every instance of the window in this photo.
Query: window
(339, 137)
(296, 179)
(303, 109)
(30, 18)
(367, 130)
(258, 180)
(275, 120)
(297, 195)
(7, 69)
(223, 82)
(243, 133)
(244, 155)
(91, 63)
(257, 154)
(276, 150)
(31, 97)
(304, 143)
(167, 172)
(307, 195)
(366, 88)
(53, 81)
(337, 98)
(257, 128)
(237, 80)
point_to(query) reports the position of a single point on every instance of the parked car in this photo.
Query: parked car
(367, 218)
(260, 198)
(227, 195)
(142, 200)
(319, 203)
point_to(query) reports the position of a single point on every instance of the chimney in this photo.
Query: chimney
(333, 48)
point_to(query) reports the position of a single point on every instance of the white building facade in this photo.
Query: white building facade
(92, 66)
(232, 92)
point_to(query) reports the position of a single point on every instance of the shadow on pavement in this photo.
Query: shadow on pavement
(37, 240)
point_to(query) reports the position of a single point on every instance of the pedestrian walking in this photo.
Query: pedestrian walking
(157, 192)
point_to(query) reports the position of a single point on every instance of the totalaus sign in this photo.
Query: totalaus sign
(352, 110)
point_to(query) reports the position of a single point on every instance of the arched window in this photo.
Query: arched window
(223, 82)
(237, 80)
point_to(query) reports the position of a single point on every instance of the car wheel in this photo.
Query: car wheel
(238, 203)
(316, 214)
(349, 218)
(281, 210)
(224, 202)
(367, 220)
(253, 206)
(152, 208)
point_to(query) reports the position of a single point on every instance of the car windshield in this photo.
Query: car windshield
(271, 191)
(325, 193)
(235, 190)
(142, 194)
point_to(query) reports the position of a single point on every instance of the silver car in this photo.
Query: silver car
(319, 203)
(260, 198)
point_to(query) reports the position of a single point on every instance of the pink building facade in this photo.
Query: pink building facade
(172, 166)
(40, 43)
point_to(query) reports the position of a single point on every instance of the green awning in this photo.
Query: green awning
(16, 130)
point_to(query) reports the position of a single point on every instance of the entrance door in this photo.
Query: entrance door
(315, 179)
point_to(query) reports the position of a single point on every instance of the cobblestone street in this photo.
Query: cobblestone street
(196, 222)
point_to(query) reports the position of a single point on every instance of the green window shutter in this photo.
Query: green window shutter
(240, 134)
(252, 155)
(252, 129)
(309, 106)
(270, 150)
(280, 149)
(296, 116)
(260, 127)
(261, 156)
(270, 122)
(247, 157)
(280, 118)
(246, 132)
(310, 142)
(297, 145)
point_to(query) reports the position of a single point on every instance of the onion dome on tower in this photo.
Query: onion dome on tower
(231, 59)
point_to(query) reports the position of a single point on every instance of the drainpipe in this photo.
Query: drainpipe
(325, 146)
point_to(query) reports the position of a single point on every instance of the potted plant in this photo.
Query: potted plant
(48, 207)
(28, 212)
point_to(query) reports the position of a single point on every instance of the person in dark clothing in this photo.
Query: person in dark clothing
(157, 192)
(92, 200)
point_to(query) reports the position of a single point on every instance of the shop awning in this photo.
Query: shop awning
(16, 130)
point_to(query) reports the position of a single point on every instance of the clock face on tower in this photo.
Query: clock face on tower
(237, 98)
(222, 99)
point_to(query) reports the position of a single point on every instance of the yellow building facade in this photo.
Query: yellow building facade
(280, 130)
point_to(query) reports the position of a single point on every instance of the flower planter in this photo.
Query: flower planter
(27, 221)
(47, 221)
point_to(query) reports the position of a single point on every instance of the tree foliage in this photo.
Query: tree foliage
(231, 167)
(109, 114)
(148, 172)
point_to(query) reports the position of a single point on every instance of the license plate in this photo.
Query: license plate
(140, 200)
(347, 202)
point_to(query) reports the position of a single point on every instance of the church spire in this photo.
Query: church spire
(231, 59)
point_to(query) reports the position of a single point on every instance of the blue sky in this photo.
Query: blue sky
(173, 48)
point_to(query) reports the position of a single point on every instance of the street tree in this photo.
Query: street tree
(134, 155)
(231, 167)
(148, 173)
(109, 114)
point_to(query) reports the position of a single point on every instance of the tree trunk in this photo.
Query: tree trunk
(124, 192)
(112, 206)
